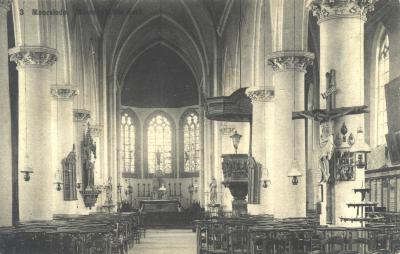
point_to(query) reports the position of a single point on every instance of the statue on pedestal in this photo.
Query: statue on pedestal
(213, 191)
(108, 188)
(88, 160)
(89, 192)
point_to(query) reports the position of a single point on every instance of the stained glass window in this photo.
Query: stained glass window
(128, 143)
(383, 79)
(159, 144)
(191, 142)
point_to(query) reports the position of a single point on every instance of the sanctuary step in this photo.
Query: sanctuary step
(70, 234)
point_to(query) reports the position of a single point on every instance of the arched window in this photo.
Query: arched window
(129, 144)
(191, 142)
(382, 80)
(159, 144)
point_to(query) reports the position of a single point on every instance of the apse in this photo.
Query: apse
(159, 78)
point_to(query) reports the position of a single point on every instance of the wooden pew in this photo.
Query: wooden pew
(72, 234)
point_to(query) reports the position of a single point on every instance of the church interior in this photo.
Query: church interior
(200, 126)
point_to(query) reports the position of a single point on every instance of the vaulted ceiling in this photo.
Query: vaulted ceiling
(186, 28)
(159, 79)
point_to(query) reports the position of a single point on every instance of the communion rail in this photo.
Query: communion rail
(69, 234)
(266, 235)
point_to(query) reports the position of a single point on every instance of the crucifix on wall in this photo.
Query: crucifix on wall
(326, 117)
(331, 112)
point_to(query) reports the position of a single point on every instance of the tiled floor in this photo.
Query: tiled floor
(167, 241)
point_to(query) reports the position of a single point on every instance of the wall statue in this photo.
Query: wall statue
(108, 189)
(88, 160)
(326, 148)
(213, 191)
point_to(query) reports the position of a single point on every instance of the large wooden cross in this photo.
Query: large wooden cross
(331, 112)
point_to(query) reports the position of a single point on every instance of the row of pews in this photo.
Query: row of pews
(74, 234)
(263, 234)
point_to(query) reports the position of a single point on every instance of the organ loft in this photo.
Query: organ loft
(200, 126)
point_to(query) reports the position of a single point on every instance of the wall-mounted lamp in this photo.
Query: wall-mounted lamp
(360, 149)
(78, 185)
(265, 183)
(27, 171)
(129, 190)
(59, 179)
(236, 140)
(196, 186)
(191, 188)
(294, 172)
(58, 188)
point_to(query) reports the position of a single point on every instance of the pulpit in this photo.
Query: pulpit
(234, 167)
(234, 108)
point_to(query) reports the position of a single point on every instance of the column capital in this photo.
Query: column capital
(290, 60)
(65, 92)
(332, 9)
(96, 130)
(261, 94)
(33, 56)
(5, 4)
(81, 115)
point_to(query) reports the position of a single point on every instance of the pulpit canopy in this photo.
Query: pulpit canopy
(234, 108)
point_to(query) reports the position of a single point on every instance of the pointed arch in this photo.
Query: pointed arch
(130, 141)
(190, 143)
(159, 137)
(379, 76)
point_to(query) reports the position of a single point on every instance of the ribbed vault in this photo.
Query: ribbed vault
(135, 26)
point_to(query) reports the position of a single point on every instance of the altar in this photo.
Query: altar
(163, 213)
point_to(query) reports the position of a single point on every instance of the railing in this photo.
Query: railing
(385, 188)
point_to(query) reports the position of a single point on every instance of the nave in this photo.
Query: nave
(167, 241)
(272, 126)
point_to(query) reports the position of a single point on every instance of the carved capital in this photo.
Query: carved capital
(262, 94)
(81, 115)
(96, 130)
(332, 9)
(63, 92)
(5, 4)
(33, 56)
(290, 60)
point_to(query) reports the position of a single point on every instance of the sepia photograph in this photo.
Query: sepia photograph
(200, 126)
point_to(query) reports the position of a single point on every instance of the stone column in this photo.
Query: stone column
(342, 49)
(262, 100)
(5, 127)
(289, 136)
(63, 140)
(81, 117)
(35, 145)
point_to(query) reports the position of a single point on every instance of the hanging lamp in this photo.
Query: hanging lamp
(294, 172)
